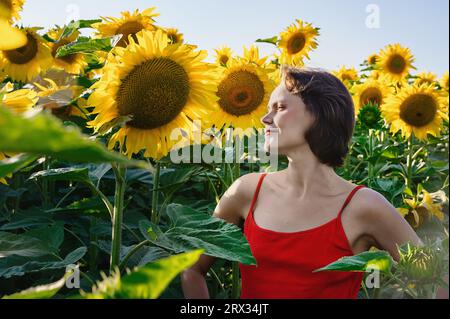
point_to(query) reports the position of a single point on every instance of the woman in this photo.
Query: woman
(306, 216)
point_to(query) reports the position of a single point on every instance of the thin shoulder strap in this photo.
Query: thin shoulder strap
(349, 198)
(255, 196)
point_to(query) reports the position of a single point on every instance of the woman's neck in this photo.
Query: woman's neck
(305, 175)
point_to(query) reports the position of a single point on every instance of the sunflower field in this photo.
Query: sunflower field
(89, 126)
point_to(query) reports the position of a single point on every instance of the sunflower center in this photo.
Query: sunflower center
(173, 38)
(241, 93)
(418, 110)
(397, 64)
(128, 28)
(153, 93)
(372, 60)
(24, 54)
(224, 59)
(371, 95)
(347, 77)
(6, 4)
(296, 43)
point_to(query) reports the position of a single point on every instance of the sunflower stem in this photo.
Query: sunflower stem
(235, 289)
(409, 160)
(119, 172)
(370, 167)
(154, 213)
(45, 183)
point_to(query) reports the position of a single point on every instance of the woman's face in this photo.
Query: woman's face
(286, 122)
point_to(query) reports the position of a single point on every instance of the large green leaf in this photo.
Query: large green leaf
(32, 217)
(39, 292)
(15, 163)
(86, 45)
(172, 179)
(18, 266)
(42, 134)
(363, 262)
(21, 245)
(75, 25)
(147, 282)
(64, 174)
(190, 229)
(52, 236)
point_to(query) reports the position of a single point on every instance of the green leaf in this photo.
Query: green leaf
(18, 266)
(190, 229)
(39, 292)
(363, 262)
(389, 154)
(64, 174)
(44, 135)
(13, 164)
(21, 245)
(272, 40)
(84, 206)
(75, 25)
(52, 235)
(170, 180)
(147, 282)
(408, 191)
(86, 45)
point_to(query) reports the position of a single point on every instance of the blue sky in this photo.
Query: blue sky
(345, 39)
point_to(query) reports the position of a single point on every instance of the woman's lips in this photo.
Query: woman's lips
(273, 131)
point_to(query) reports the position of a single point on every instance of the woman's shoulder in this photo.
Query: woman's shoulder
(367, 201)
(242, 190)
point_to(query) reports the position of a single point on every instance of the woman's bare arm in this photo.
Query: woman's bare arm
(385, 225)
(230, 208)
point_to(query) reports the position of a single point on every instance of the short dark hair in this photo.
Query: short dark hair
(331, 105)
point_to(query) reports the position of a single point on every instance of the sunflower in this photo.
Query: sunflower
(251, 55)
(174, 36)
(243, 91)
(223, 55)
(12, 38)
(415, 109)
(9, 9)
(159, 88)
(372, 59)
(346, 75)
(420, 210)
(425, 78)
(128, 24)
(296, 42)
(19, 101)
(26, 62)
(395, 62)
(72, 63)
(444, 81)
(371, 91)
(58, 98)
(370, 116)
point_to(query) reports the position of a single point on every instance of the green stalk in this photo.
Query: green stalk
(45, 183)
(235, 289)
(154, 213)
(93, 249)
(370, 168)
(119, 172)
(136, 248)
(409, 160)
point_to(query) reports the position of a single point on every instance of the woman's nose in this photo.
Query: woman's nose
(266, 119)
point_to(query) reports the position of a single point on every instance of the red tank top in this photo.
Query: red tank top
(285, 261)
